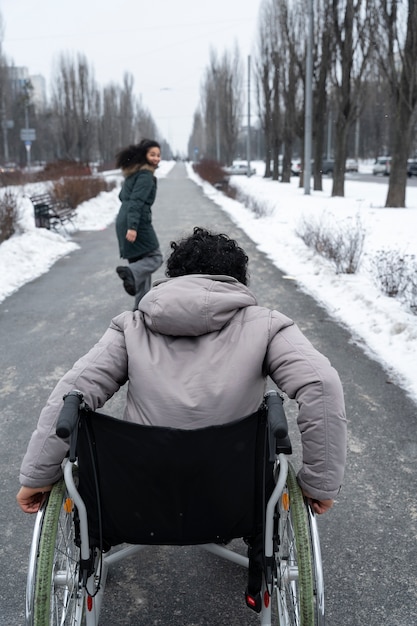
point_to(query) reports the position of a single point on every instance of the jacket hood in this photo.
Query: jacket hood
(193, 305)
(136, 167)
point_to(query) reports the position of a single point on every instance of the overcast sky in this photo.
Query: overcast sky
(165, 45)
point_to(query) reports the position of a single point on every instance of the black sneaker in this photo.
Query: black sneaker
(128, 279)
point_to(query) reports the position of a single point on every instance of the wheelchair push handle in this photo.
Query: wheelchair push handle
(68, 417)
(276, 416)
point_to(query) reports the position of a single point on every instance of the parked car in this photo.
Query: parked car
(296, 168)
(8, 167)
(351, 165)
(382, 166)
(411, 167)
(239, 169)
(326, 168)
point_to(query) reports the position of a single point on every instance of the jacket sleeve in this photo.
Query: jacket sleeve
(138, 199)
(98, 375)
(303, 373)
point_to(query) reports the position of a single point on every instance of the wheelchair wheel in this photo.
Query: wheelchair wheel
(54, 595)
(299, 584)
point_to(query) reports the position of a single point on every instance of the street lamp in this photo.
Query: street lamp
(308, 103)
(248, 146)
(27, 135)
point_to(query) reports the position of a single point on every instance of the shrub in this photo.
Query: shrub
(211, 171)
(9, 178)
(62, 168)
(341, 242)
(390, 271)
(8, 215)
(258, 207)
(74, 191)
(409, 296)
(395, 274)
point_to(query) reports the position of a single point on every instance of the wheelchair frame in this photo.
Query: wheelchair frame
(66, 582)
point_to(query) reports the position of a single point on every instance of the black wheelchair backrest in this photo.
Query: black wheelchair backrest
(153, 485)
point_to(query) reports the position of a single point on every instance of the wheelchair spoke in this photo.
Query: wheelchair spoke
(65, 585)
(299, 582)
(287, 584)
(59, 596)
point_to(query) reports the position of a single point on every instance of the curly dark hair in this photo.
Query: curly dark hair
(205, 252)
(135, 154)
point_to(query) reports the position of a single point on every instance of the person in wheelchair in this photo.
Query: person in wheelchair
(200, 337)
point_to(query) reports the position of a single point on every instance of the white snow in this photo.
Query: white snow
(383, 326)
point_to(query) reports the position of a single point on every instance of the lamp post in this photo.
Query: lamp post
(6, 125)
(27, 134)
(308, 102)
(217, 115)
(248, 146)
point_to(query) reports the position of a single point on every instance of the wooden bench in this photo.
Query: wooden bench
(51, 213)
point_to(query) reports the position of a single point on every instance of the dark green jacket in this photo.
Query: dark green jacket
(137, 197)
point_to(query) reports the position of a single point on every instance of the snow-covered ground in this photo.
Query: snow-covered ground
(32, 251)
(382, 325)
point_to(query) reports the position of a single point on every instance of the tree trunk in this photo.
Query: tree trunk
(319, 123)
(406, 95)
(268, 150)
(320, 100)
(398, 173)
(338, 188)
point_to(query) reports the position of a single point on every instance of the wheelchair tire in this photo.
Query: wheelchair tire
(56, 596)
(299, 588)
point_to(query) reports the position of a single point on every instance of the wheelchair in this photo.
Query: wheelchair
(202, 487)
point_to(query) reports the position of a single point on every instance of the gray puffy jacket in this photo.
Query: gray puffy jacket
(196, 353)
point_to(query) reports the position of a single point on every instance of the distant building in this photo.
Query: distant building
(18, 76)
(39, 91)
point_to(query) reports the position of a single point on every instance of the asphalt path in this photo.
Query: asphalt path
(369, 539)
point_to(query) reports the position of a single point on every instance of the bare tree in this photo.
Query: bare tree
(397, 54)
(210, 112)
(123, 120)
(274, 68)
(322, 64)
(291, 21)
(80, 121)
(322, 59)
(231, 113)
(129, 133)
(351, 30)
(109, 134)
(88, 110)
(145, 126)
(5, 103)
(276, 117)
(196, 142)
(263, 75)
(280, 64)
(222, 105)
(75, 105)
(374, 121)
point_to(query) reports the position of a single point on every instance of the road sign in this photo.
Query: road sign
(28, 134)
